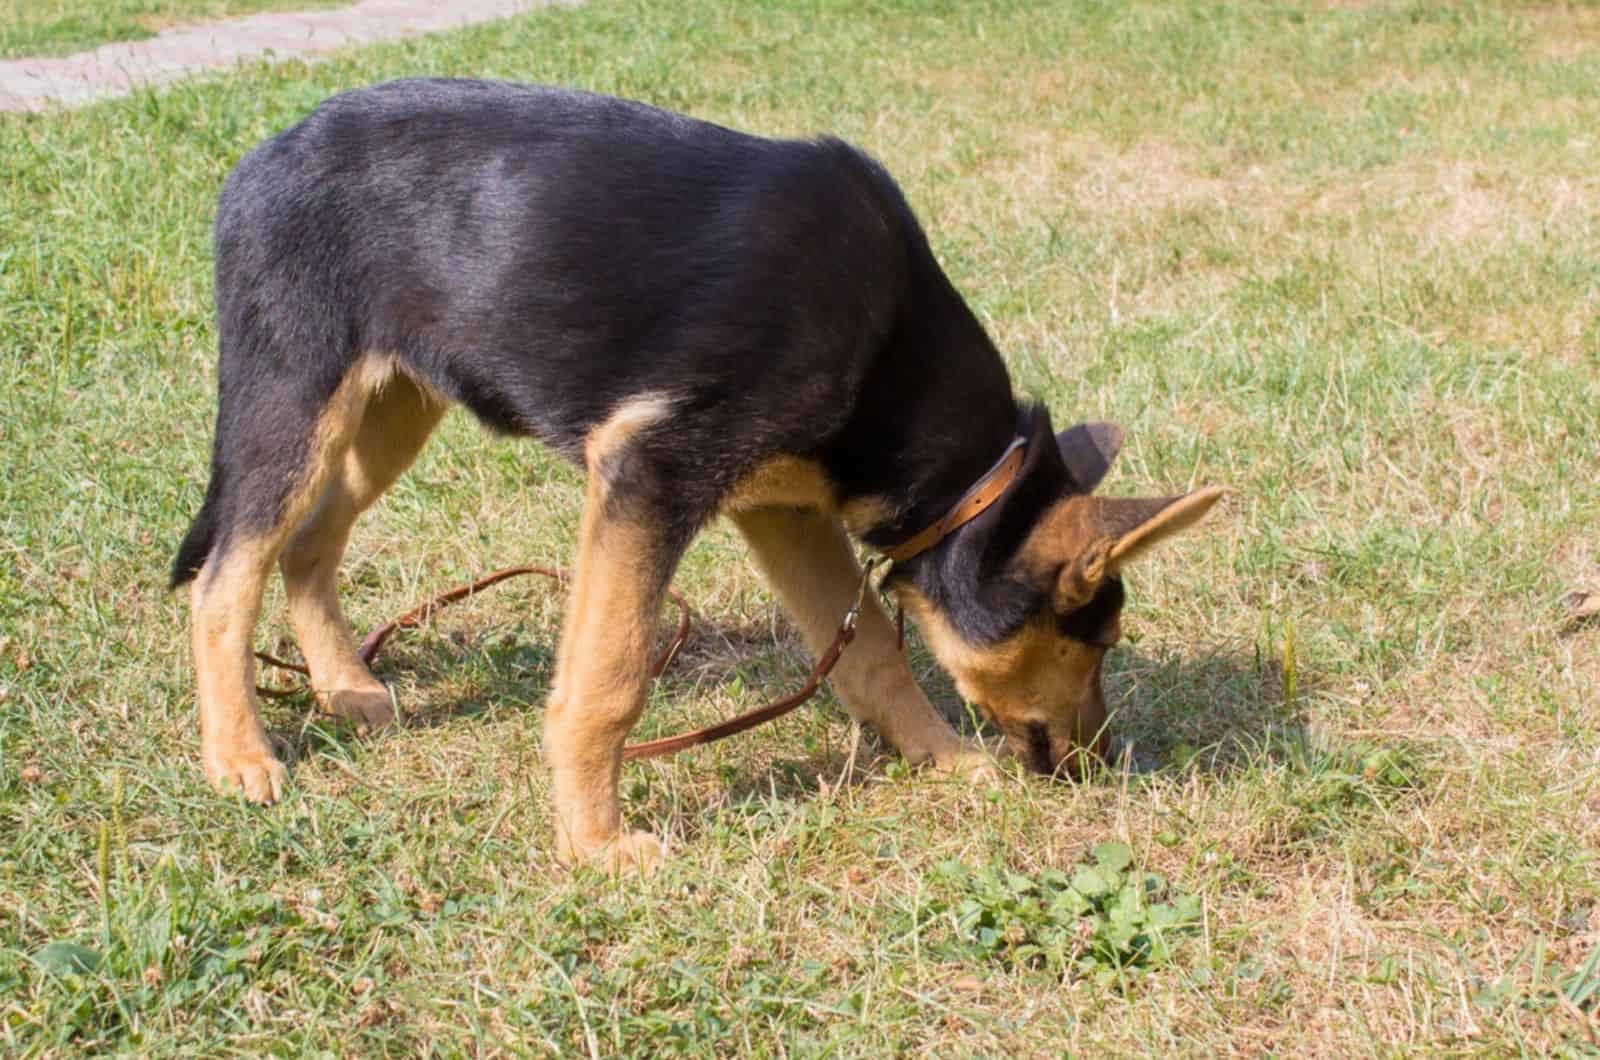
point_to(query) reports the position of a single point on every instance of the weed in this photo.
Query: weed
(1104, 921)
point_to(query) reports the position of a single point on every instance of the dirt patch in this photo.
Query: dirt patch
(1156, 175)
(1566, 32)
(1460, 200)
(1450, 200)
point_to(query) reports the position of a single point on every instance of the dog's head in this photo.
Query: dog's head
(1022, 609)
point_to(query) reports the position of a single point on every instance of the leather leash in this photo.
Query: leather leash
(666, 745)
(669, 745)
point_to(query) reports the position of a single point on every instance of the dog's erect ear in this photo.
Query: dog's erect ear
(1085, 540)
(1088, 450)
(1139, 525)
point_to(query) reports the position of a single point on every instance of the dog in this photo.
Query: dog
(710, 323)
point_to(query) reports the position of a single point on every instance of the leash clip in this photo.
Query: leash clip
(852, 616)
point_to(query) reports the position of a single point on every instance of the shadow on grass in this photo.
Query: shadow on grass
(447, 679)
(443, 678)
(438, 679)
(1210, 708)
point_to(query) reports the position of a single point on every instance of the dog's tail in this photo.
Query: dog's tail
(201, 538)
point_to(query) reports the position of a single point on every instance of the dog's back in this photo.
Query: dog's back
(539, 255)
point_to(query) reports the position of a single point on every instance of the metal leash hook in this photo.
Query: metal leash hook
(899, 612)
(852, 616)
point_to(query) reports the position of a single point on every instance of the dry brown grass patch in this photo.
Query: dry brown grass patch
(1566, 31)
(1561, 330)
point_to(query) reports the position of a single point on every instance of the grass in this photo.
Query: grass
(1341, 258)
(59, 27)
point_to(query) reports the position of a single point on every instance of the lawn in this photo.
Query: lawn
(1343, 258)
(58, 27)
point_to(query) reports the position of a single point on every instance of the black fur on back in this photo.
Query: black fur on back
(542, 255)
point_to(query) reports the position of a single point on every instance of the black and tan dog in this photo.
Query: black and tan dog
(711, 323)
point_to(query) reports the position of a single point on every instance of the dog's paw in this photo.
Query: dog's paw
(369, 708)
(253, 773)
(975, 766)
(634, 852)
(628, 853)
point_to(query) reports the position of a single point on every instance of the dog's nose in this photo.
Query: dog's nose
(1039, 756)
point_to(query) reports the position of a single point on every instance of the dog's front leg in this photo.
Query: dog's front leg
(602, 677)
(626, 556)
(806, 557)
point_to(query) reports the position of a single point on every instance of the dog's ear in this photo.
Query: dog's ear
(1081, 575)
(1088, 450)
(1139, 524)
(1082, 541)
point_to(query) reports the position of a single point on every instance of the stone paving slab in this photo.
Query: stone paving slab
(117, 69)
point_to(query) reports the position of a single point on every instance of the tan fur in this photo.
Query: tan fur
(397, 420)
(791, 482)
(1065, 535)
(611, 435)
(1080, 577)
(1034, 677)
(226, 602)
(864, 514)
(783, 482)
(602, 670)
(1126, 526)
(808, 561)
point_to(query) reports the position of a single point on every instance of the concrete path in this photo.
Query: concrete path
(117, 69)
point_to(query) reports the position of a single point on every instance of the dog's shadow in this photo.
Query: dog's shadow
(1207, 710)
(1206, 707)
(443, 678)
(438, 678)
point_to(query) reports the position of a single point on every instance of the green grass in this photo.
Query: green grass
(1343, 259)
(59, 27)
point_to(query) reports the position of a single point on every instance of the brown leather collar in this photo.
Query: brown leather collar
(985, 492)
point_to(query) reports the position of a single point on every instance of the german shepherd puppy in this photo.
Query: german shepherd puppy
(710, 323)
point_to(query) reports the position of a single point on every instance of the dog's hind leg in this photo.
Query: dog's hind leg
(274, 460)
(627, 551)
(807, 559)
(396, 421)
